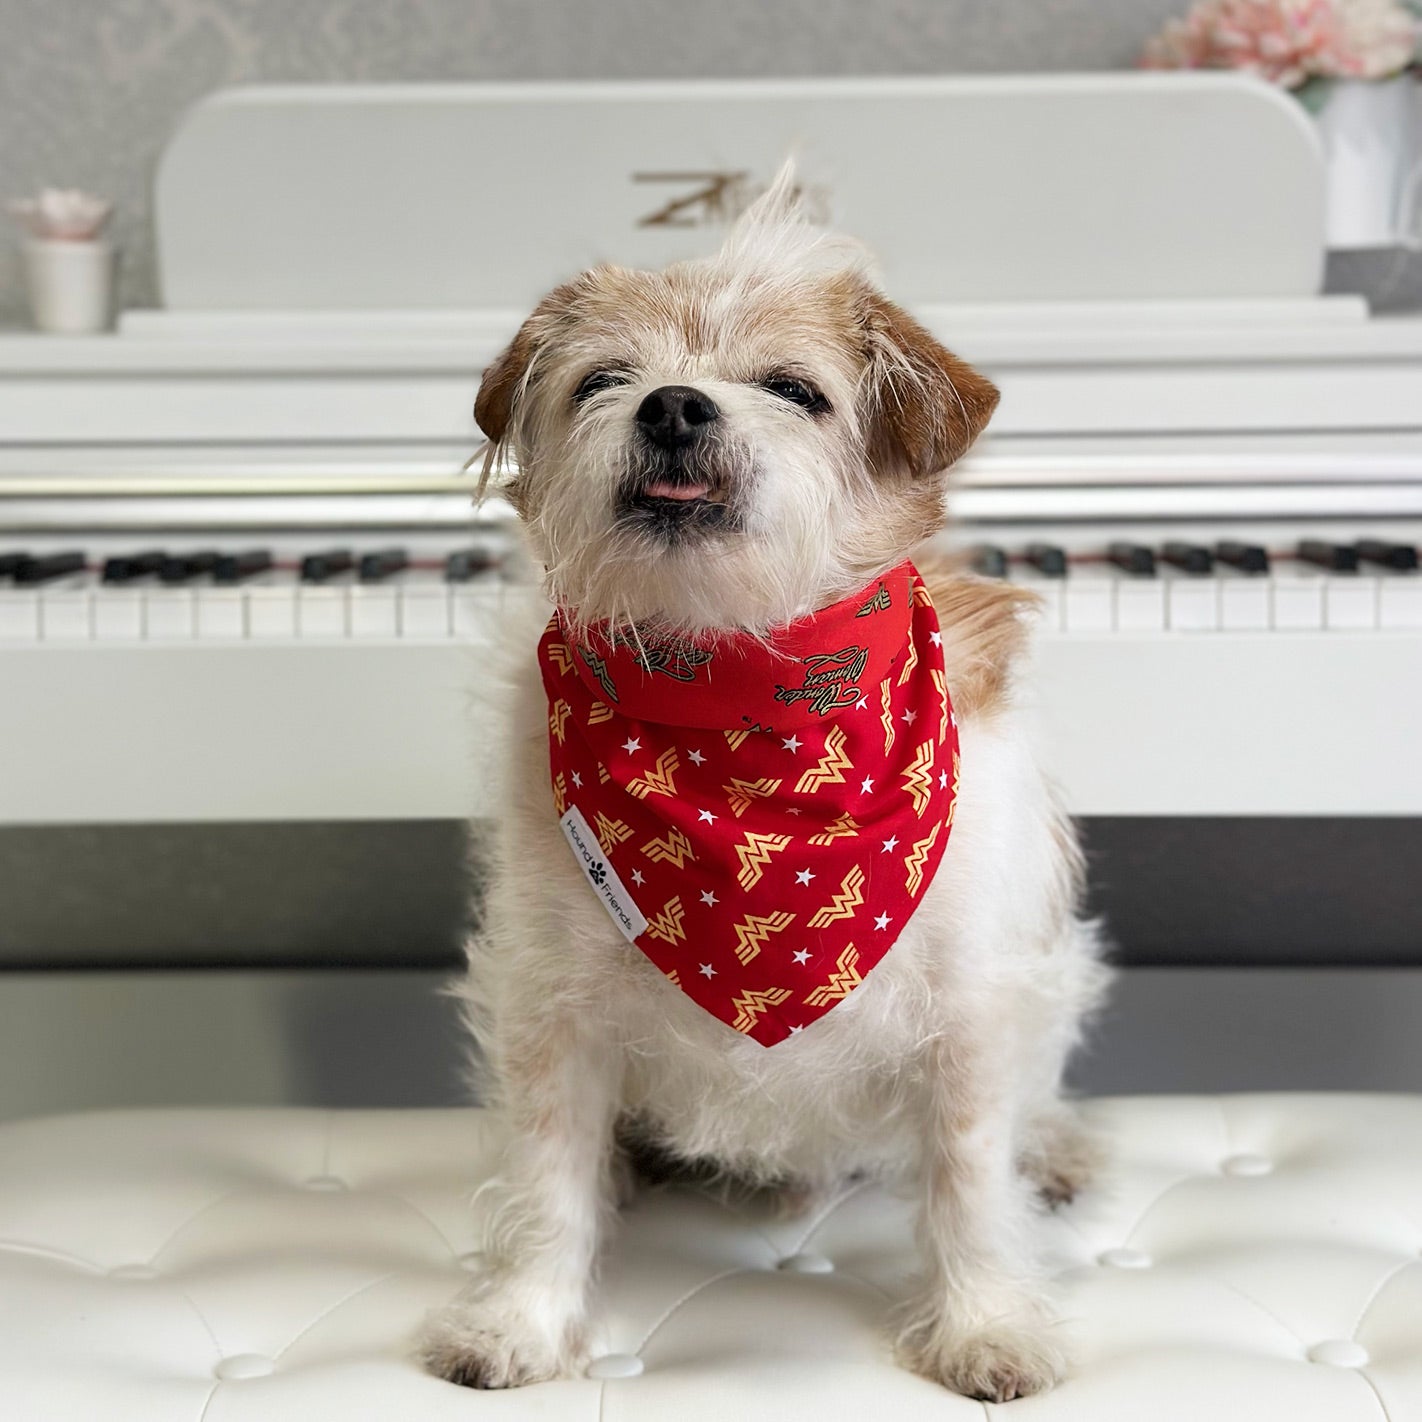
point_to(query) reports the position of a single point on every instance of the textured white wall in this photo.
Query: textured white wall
(89, 89)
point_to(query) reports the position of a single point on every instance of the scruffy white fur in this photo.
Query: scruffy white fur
(942, 1071)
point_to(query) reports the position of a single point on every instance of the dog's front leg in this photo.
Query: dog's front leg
(522, 1320)
(982, 1324)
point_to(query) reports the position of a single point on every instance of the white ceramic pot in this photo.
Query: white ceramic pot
(71, 285)
(1370, 133)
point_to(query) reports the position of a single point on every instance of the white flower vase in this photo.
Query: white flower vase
(71, 285)
(1370, 134)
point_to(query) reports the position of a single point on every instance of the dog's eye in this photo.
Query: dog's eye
(596, 381)
(796, 392)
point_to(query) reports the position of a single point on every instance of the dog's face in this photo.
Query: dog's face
(729, 443)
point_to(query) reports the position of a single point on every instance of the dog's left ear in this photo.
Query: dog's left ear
(923, 407)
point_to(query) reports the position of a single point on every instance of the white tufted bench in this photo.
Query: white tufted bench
(1251, 1258)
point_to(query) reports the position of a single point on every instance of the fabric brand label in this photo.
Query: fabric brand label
(630, 920)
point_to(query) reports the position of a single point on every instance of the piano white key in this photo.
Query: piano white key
(1245, 602)
(321, 612)
(1400, 602)
(375, 610)
(1297, 601)
(1140, 604)
(1049, 590)
(118, 614)
(19, 616)
(221, 615)
(1192, 602)
(271, 610)
(1350, 603)
(424, 607)
(169, 614)
(1088, 602)
(66, 611)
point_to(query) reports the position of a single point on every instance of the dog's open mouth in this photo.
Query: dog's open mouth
(674, 504)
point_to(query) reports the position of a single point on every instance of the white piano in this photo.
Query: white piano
(1135, 259)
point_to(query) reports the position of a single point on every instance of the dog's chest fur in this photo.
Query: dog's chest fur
(841, 1095)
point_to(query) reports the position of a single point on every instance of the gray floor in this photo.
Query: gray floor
(74, 1041)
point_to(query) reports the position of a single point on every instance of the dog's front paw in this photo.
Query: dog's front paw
(483, 1342)
(995, 1363)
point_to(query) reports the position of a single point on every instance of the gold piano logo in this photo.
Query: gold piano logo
(712, 198)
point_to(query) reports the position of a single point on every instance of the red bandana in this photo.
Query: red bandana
(760, 817)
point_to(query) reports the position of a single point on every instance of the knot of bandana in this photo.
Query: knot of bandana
(759, 816)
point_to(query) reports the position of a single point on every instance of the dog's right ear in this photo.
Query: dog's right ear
(506, 381)
(503, 384)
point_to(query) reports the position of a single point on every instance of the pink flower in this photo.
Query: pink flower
(63, 214)
(1289, 41)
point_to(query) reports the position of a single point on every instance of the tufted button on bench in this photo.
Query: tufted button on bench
(1247, 1259)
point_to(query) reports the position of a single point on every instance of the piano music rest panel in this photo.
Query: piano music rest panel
(1041, 187)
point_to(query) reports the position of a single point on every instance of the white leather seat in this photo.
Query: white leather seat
(1250, 1257)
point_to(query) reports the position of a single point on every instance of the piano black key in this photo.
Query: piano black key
(989, 560)
(54, 565)
(1189, 557)
(317, 567)
(1336, 557)
(1401, 557)
(10, 563)
(184, 568)
(235, 567)
(1243, 557)
(127, 567)
(1049, 560)
(1134, 558)
(466, 563)
(377, 566)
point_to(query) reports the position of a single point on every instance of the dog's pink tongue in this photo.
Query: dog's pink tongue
(663, 490)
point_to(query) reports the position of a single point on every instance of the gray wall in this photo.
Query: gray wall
(89, 89)
(86, 1041)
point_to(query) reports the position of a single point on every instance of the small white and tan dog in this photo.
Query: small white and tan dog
(803, 428)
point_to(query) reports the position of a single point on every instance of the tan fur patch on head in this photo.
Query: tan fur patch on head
(985, 624)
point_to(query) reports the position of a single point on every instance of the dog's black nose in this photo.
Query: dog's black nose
(674, 415)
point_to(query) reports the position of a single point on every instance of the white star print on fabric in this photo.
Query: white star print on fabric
(709, 899)
(803, 956)
(577, 780)
(909, 717)
(891, 843)
(882, 922)
(866, 786)
(942, 779)
(631, 744)
(936, 638)
(792, 743)
(861, 705)
(707, 817)
(638, 877)
(793, 810)
(695, 757)
(804, 876)
(707, 971)
(797, 1029)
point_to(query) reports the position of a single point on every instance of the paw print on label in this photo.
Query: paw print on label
(597, 873)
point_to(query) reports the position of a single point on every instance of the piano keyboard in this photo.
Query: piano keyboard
(335, 593)
(351, 593)
(1315, 585)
